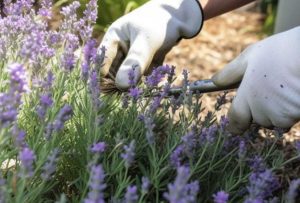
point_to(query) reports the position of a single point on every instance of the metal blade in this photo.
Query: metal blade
(203, 86)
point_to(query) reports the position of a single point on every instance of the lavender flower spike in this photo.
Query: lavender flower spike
(91, 12)
(96, 185)
(45, 102)
(89, 52)
(64, 114)
(50, 166)
(262, 185)
(135, 93)
(177, 156)
(27, 158)
(18, 78)
(131, 194)
(95, 90)
(180, 190)
(129, 154)
(45, 10)
(98, 147)
(220, 197)
(145, 185)
(157, 75)
(292, 192)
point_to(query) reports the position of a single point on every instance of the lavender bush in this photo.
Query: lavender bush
(62, 140)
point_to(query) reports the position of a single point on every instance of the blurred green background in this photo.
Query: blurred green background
(269, 7)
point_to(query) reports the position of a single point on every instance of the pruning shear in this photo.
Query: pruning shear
(201, 86)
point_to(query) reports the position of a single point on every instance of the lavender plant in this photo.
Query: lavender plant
(63, 140)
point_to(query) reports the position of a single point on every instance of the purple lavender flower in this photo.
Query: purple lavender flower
(293, 191)
(242, 150)
(223, 122)
(171, 74)
(257, 164)
(221, 197)
(180, 190)
(17, 78)
(262, 185)
(70, 15)
(45, 102)
(94, 88)
(157, 75)
(18, 8)
(177, 156)
(221, 100)
(91, 12)
(96, 185)
(27, 158)
(185, 74)
(176, 102)
(50, 166)
(19, 136)
(149, 124)
(45, 9)
(85, 70)
(99, 58)
(145, 185)
(68, 58)
(135, 93)
(157, 100)
(48, 81)
(35, 47)
(54, 37)
(8, 109)
(129, 154)
(98, 147)
(208, 134)
(141, 117)
(85, 25)
(89, 52)
(49, 130)
(64, 115)
(190, 143)
(131, 194)
(9, 102)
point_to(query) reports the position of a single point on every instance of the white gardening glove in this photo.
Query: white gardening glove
(145, 35)
(269, 93)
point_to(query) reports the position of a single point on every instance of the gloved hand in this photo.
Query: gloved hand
(146, 34)
(269, 93)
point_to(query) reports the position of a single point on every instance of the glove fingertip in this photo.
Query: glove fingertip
(122, 80)
(239, 116)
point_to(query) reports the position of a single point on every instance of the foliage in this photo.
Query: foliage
(62, 140)
(269, 7)
(109, 10)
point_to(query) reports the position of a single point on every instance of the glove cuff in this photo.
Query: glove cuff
(201, 21)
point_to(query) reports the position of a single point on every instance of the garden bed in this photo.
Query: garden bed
(62, 140)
